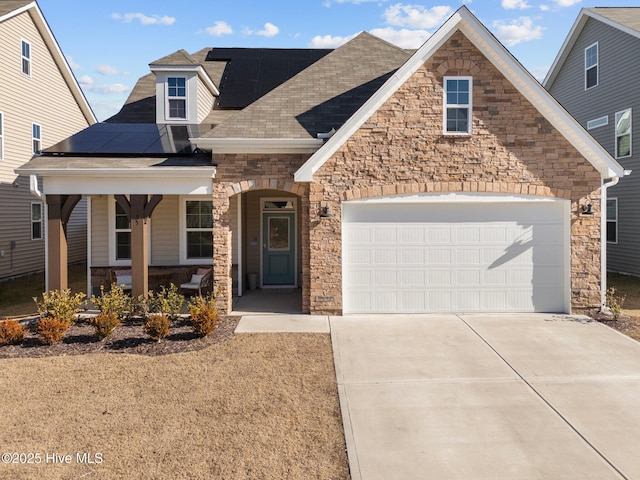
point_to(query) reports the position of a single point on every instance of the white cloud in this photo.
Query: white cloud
(144, 19)
(219, 28)
(544, 8)
(85, 80)
(109, 70)
(517, 31)
(328, 3)
(72, 64)
(402, 38)
(87, 84)
(567, 3)
(269, 30)
(329, 41)
(416, 16)
(513, 4)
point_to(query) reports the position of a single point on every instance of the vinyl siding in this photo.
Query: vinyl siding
(42, 98)
(165, 231)
(205, 102)
(617, 90)
(233, 208)
(99, 231)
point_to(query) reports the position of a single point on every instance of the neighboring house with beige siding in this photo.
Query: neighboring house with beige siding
(369, 178)
(40, 104)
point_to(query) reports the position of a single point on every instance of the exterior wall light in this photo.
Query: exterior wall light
(325, 212)
(587, 209)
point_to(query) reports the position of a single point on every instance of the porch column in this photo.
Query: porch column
(222, 248)
(139, 209)
(59, 210)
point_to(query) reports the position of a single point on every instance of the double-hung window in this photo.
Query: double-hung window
(623, 133)
(122, 233)
(612, 220)
(36, 136)
(591, 66)
(36, 221)
(199, 229)
(177, 97)
(26, 57)
(457, 105)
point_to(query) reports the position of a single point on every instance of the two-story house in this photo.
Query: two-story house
(595, 77)
(369, 178)
(41, 103)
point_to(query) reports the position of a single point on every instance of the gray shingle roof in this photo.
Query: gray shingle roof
(321, 97)
(179, 58)
(627, 16)
(8, 6)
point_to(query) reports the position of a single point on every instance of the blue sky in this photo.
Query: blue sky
(110, 44)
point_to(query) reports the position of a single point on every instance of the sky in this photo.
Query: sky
(109, 45)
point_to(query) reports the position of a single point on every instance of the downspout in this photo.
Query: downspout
(35, 191)
(603, 236)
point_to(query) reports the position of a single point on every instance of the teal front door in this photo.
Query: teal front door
(278, 249)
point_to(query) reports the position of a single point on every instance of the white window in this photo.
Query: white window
(36, 134)
(122, 234)
(612, 220)
(37, 231)
(598, 122)
(457, 105)
(623, 133)
(196, 230)
(1, 136)
(591, 66)
(26, 57)
(177, 98)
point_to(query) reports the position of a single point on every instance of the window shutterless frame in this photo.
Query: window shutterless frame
(612, 220)
(1, 136)
(25, 57)
(176, 105)
(591, 73)
(623, 129)
(457, 105)
(36, 138)
(37, 223)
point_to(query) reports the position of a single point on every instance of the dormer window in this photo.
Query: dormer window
(177, 98)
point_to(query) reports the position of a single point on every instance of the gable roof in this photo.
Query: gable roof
(625, 19)
(463, 20)
(13, 8)
(320, 98)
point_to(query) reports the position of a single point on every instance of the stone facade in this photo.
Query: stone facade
(402, 149)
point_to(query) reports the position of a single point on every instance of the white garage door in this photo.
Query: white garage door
(455, 257)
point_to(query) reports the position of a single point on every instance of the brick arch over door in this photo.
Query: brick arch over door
(299, 189)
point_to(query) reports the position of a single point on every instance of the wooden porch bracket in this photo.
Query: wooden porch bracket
(139, 209)
(59, 208)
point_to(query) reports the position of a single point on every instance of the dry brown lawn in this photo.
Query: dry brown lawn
(256, 406)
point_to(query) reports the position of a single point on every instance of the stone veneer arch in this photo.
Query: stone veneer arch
(298, 189)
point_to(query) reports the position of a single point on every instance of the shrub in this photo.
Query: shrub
(11, 332)
(104, 323)
(51, 330)
(168, 301)
(614, 302)
(115, 301)
(204, 314)
(60, 304)
(157, 326)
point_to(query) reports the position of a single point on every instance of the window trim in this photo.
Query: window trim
(41, 221)
(598, 122)
(28, 59)
(182, 223)
(607, 220)
(616, 136)
(596, 66)
(1, 135)
(35, 139)
(468, 106)
(177, 97)
(111, 225)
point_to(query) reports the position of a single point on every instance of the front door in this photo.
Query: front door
(278, 249)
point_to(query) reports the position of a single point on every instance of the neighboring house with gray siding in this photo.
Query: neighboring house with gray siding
(595, 77)
(40, 104)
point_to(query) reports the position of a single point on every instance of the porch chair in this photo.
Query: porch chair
(200, 281)
(122, 279)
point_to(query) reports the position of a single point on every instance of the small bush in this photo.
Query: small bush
(115, 301)
(614, 302)
(157, 326)
(51, 330)
(60, 304)
(168, 301)
(204, 314)
(105, 323)
(11, 332)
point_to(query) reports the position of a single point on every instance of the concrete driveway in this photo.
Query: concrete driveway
(487, 397)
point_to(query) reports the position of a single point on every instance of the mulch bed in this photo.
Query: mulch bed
(129, 337)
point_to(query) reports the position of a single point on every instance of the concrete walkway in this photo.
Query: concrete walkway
(487, 397)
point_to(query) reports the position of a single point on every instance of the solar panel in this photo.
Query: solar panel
(128, 139)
